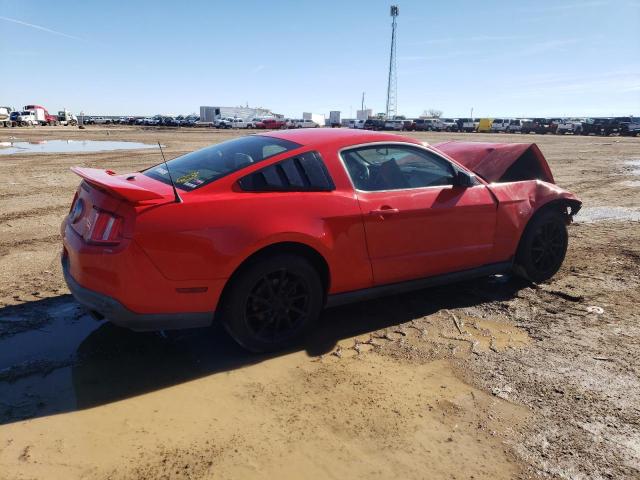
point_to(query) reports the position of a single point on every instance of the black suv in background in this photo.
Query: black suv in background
(540, 125)
(602, 126)
(630, 128)
(374, 124)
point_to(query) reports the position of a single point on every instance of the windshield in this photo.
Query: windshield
(204, 166)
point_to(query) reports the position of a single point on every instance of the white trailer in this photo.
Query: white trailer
(334, 118)
(209, 115)
(317, 118)
(364, 114)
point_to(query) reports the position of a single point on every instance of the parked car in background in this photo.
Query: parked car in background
(169, 121)
(271, 124)
(499, 125)
(515, 126)
(373, 124)
(467, 125)
(147, 256)
(396, 125)
(253, 122)
(630, 128)
(359, 124)
(540, 126)
(191, 120)
(427, 124)
(306, 123)
(596, 126)
(569, 125)
(408, 125)
(484, 125)
(617, 124)
(224, 122)
(448, 124)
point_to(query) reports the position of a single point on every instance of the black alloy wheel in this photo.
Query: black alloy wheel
(272, 302)
(277, 306)
(543, 246)
(549, 245)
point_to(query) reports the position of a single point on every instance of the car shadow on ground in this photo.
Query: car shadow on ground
(68, 361)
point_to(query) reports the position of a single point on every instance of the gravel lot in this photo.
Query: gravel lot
(494, 378)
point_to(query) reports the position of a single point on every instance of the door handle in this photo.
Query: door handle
(384, 210)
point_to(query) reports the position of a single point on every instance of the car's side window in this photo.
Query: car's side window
(392, 167)
(303, 173)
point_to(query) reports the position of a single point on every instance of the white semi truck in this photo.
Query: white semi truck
(65, 117)
(5, 116)
(334, 118)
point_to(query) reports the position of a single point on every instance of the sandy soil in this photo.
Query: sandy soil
(494, 378)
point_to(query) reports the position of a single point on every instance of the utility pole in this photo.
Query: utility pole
(392, 84)
(471, 113)
(362, 107)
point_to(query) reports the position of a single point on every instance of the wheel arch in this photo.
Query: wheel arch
(565, 206)
(317, 260)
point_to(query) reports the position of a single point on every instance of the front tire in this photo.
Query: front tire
(272, 303)
(543, 246)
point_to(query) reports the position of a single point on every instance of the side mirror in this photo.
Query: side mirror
(464, 179)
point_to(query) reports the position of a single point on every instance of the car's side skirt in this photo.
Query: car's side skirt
(400, 287)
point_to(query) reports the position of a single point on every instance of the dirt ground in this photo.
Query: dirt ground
(489, 379)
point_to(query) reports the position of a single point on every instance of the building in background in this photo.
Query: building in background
(211, 114)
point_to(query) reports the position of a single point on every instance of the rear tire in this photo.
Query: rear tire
(272, 303)
(543, 246)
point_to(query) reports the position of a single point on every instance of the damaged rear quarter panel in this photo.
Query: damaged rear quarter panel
(517, 203)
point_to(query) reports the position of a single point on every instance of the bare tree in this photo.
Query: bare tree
(432, 113)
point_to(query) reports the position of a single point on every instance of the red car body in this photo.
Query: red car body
(155, 263)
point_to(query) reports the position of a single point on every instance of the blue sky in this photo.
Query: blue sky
(503, 58)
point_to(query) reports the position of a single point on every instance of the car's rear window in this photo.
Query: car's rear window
(204, 166)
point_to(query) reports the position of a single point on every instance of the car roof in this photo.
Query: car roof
(339, 138)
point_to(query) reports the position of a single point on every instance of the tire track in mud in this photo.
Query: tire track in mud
(33, 212)
(7, 246)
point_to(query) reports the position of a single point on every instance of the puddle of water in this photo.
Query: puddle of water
(601, 214)
(635, 164)
(69, 146)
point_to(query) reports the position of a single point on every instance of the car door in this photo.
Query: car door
(417, 222)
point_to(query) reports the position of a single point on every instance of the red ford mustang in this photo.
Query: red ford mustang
(261, 232)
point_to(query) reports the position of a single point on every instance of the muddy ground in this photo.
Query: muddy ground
(494, 378)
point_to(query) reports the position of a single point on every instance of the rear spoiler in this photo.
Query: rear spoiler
(136, 190)
(500, 162)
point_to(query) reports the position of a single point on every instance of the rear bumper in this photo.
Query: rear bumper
(109, 308)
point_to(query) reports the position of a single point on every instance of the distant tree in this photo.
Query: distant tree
(432, 113)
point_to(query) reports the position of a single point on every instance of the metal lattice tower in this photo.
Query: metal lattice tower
(392, 85)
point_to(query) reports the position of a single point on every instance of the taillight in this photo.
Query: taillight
(73, 203)
(105, 229)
